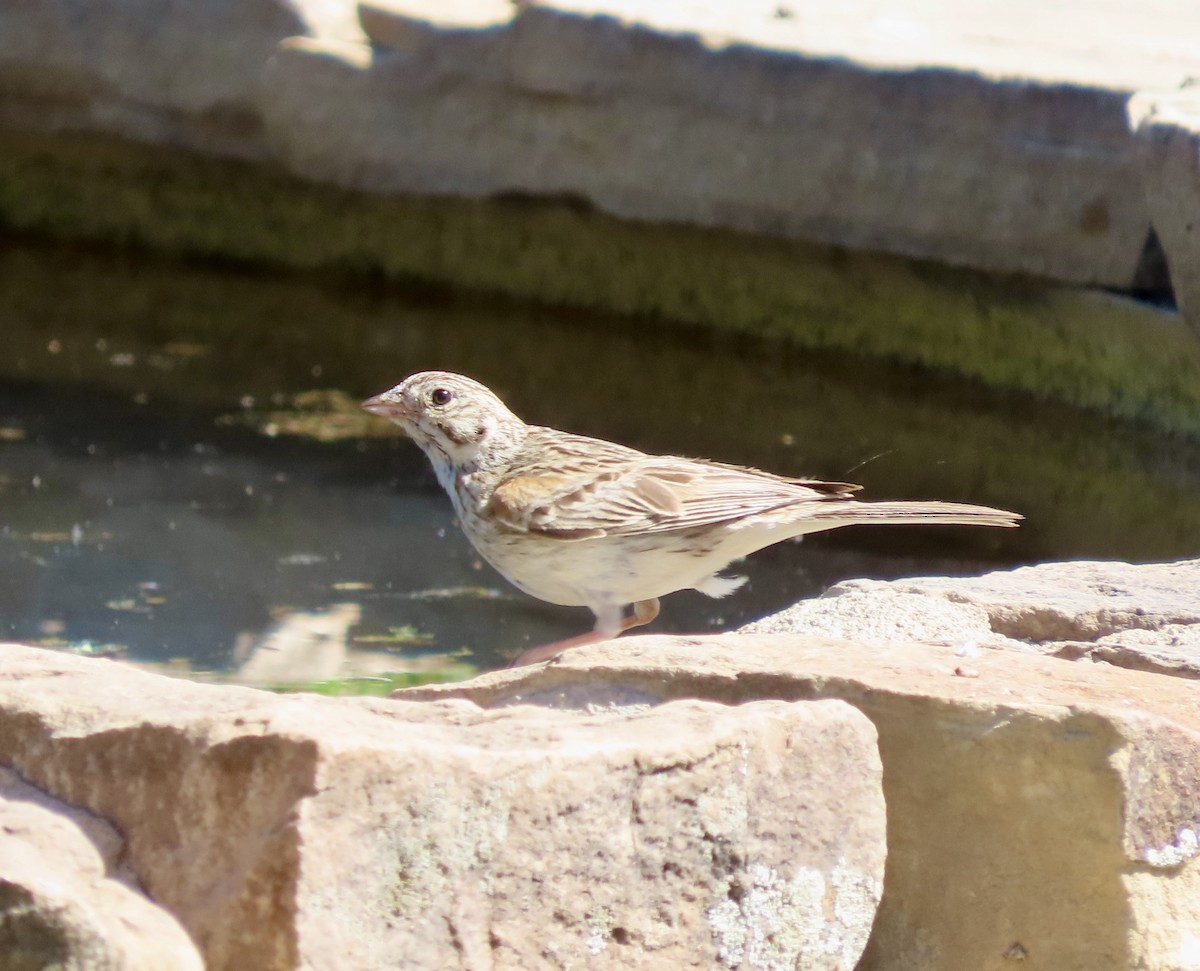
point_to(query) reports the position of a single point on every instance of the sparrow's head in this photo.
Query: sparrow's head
(447, 413)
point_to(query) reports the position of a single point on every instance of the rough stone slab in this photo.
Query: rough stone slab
(63, 903)
(883, 611)
(735, 124)
(1144, 616)
(1168, 135)
(1038, 809)
(289, 832)
(1080, 599)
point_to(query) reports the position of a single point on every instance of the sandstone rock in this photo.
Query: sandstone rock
(293, 832)
(726, 119)
(61, 904)
(1168, 135)
(1038, 809)
(1144, 616)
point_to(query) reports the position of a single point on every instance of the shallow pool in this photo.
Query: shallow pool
(186, 480)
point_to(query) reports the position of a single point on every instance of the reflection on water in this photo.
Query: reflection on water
(317, 646)
(186, 479)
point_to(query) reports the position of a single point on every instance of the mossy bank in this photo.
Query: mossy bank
(1086, 348)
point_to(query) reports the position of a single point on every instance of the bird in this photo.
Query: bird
(580, 521)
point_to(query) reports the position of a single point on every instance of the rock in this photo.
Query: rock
(1167, 125)
(1012, 172)
(1170, 649)
(62, 901)
(1000, 143)
(161, 72)
(1143, 616)
(970, 143)
(882, 612)
(290, 832)
(1038, 809)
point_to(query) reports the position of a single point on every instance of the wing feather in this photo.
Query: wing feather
(581, 488)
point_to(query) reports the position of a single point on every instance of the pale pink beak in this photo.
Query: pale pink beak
(385, 407)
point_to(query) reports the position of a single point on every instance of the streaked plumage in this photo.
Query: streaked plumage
(584, 522)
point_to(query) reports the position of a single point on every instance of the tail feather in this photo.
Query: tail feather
(917, 513)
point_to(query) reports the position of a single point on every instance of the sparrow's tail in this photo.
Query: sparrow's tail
(915, 513)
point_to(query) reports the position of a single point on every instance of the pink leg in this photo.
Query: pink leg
(644, 611)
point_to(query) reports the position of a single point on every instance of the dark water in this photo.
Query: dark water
(186, 480)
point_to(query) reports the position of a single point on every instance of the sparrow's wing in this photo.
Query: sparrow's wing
(580, 488)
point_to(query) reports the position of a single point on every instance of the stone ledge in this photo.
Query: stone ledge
(301, 832)
(735, 124)
(1012, 782)
(941, 135)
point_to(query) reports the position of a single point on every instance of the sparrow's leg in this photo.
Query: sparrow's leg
(609, 623)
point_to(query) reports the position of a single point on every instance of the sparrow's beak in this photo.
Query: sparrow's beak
(386, 406)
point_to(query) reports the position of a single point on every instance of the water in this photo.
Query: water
(187, 482)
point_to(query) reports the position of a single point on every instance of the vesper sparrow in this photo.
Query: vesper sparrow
(584, 522)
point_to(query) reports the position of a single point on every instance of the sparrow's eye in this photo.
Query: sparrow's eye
(441, 396)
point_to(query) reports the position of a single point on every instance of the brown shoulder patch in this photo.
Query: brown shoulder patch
(523, 493)
(523, 503)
